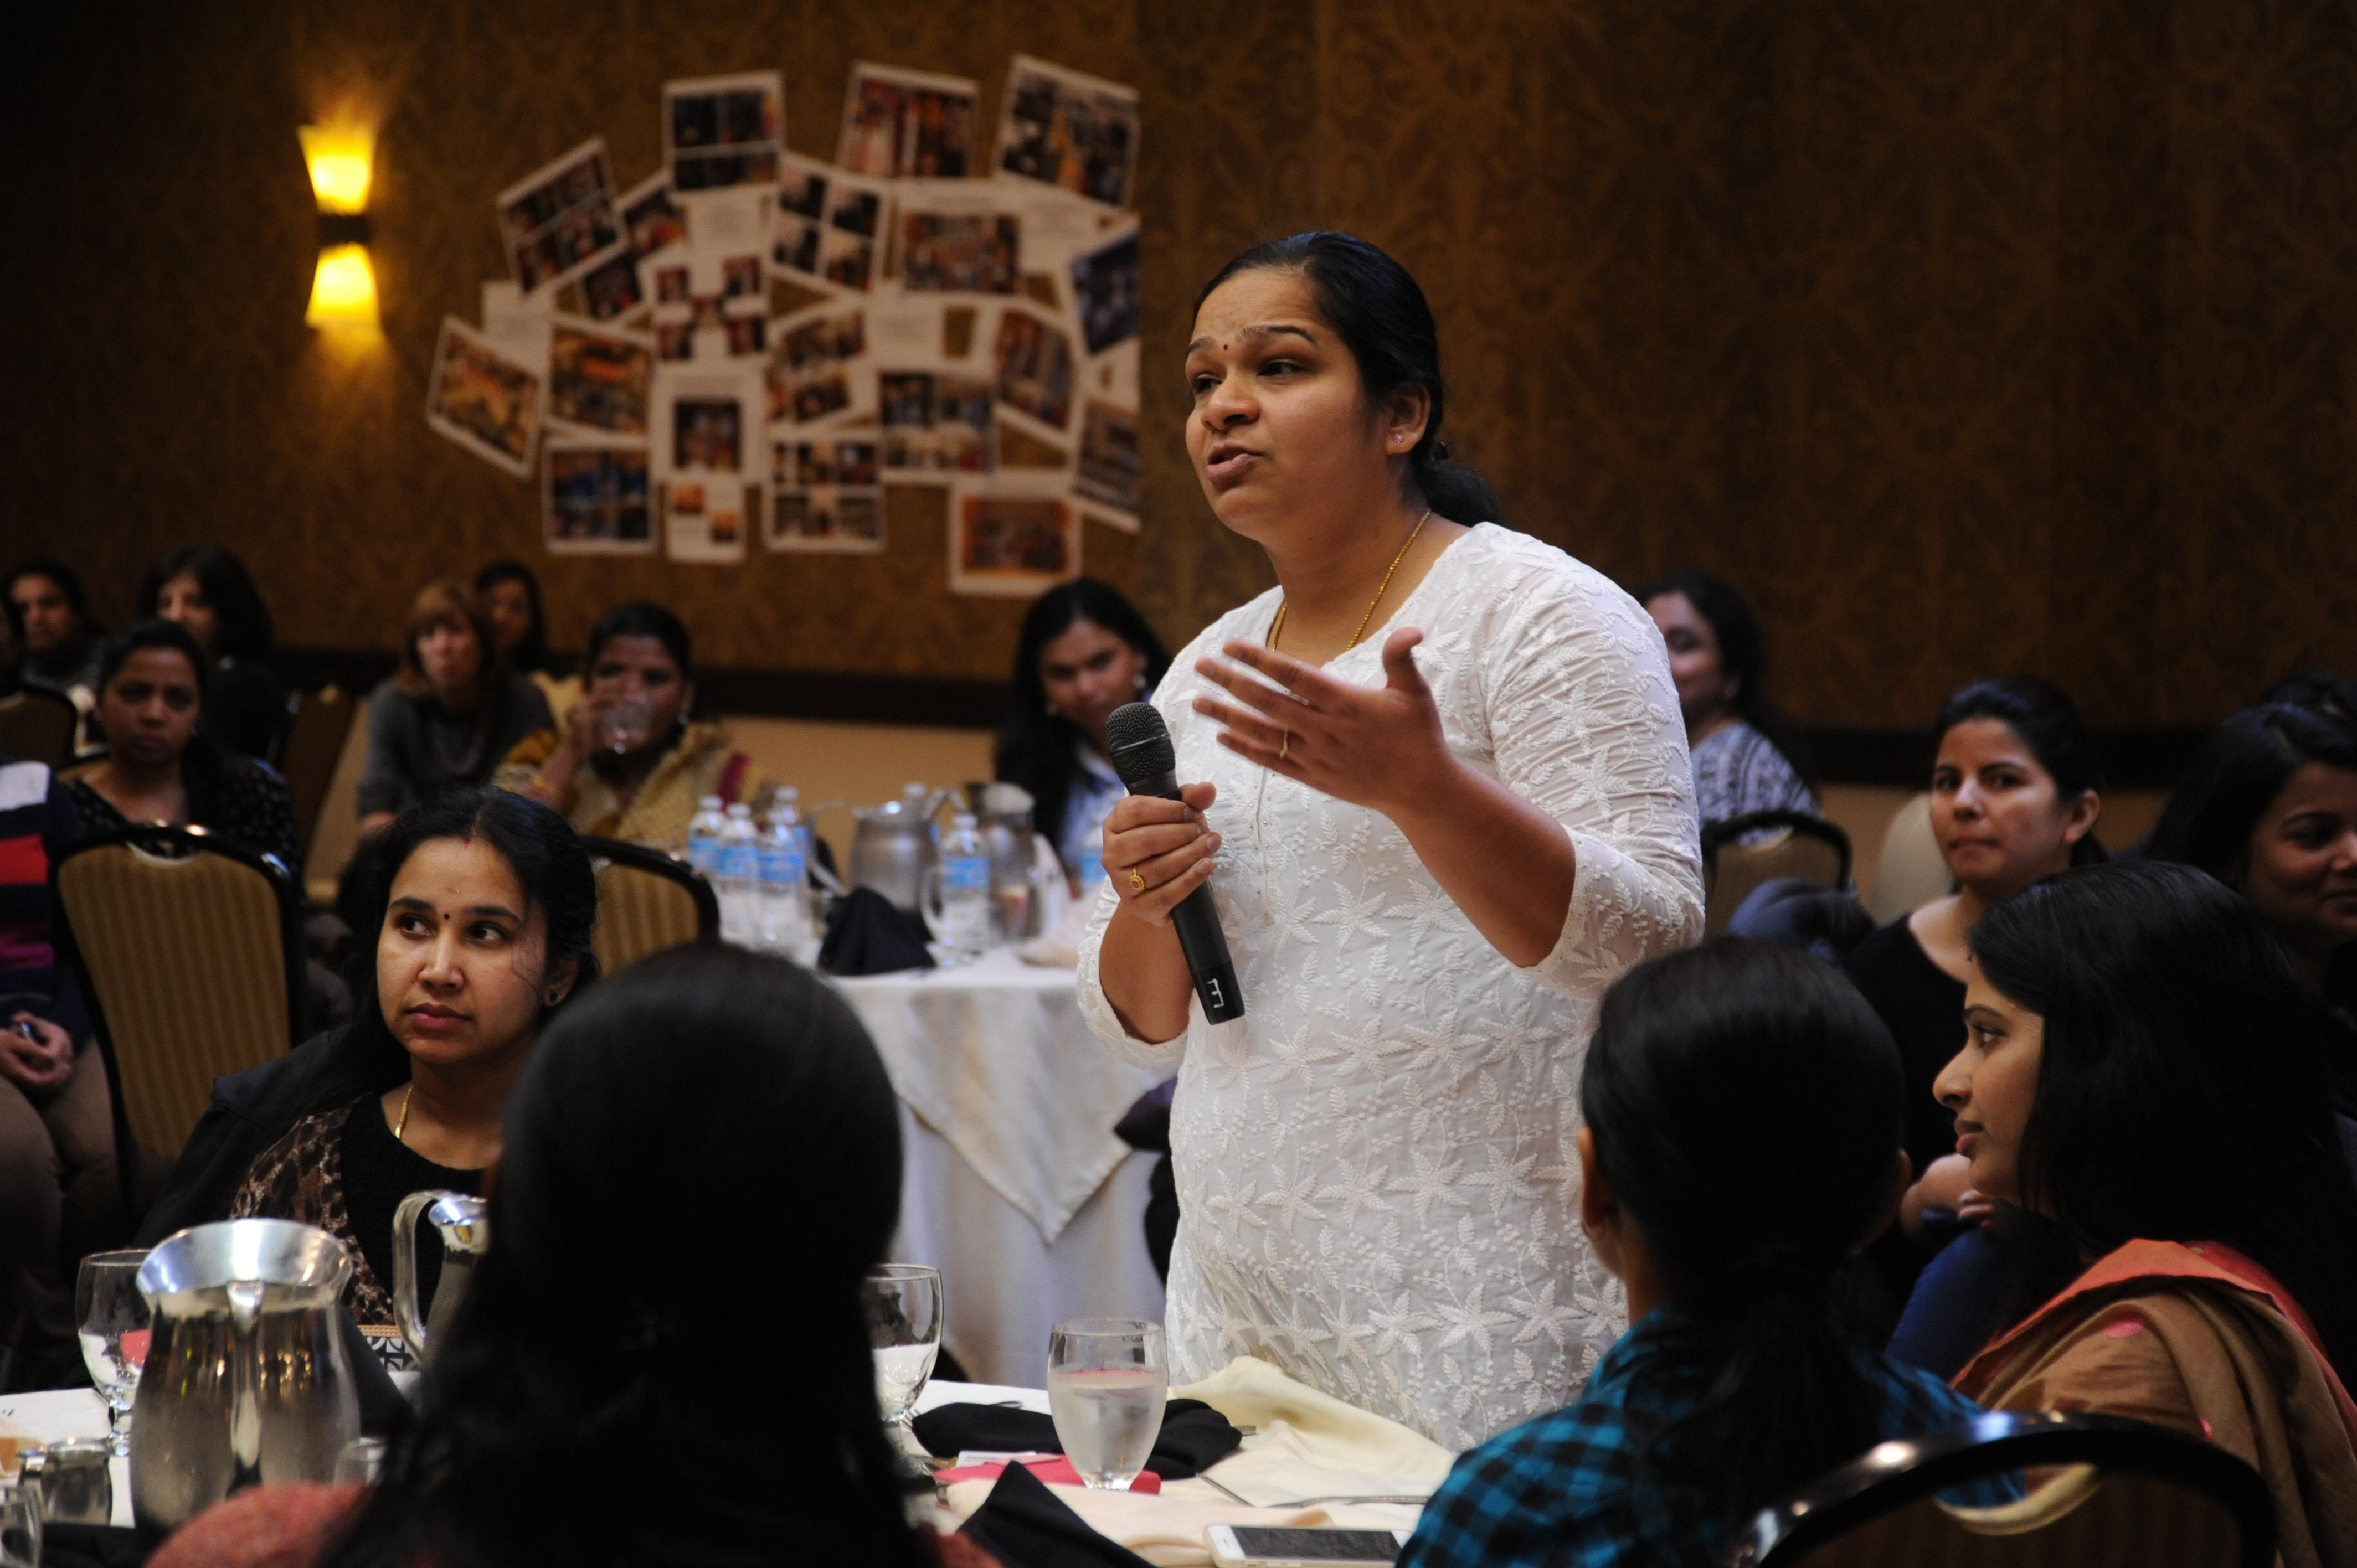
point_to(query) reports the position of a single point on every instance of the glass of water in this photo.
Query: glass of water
(20, 1525)
(627, 725)
(112, 1318)
(904, 1329)
(1107, 1382)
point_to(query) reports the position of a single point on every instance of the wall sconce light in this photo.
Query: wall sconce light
(343, 285)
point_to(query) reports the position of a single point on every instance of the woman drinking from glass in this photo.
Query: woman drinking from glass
(1437, 782)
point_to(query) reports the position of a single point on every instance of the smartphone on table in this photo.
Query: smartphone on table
(1252, 1546)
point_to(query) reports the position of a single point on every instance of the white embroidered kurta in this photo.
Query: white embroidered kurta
(1377, 1180)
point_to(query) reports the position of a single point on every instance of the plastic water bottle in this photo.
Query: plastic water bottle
(789, 800)
(966, 888)
(704, 839)
(738, 883)
(785, 902)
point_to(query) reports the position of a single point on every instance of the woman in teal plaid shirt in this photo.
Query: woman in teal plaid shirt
(1741, 1147)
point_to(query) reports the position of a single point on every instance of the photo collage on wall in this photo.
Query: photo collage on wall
(754, 341)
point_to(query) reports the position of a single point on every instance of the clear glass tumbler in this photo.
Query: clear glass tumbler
(904, 1329)
(111, 1317)
(1107, 1382)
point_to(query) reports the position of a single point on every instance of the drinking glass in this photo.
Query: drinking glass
(112, 1319)
(624, 726)
(904, 1328)
(1107, 1382)
(361, 1460)
(20, 1525)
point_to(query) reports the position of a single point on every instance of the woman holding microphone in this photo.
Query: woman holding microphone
(1440, 791)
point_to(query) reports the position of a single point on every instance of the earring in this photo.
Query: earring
(1050, 709)
(1137, 682)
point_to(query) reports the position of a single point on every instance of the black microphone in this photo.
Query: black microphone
(1143, 755)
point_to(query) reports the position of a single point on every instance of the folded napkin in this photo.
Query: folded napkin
(1318, 1428)
(92, 1546)
(1194, 1436)
(1024, 1523)
(866, 934)
(1055, 1472)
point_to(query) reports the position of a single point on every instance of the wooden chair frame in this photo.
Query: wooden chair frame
(672, 868)
(1892, 1474)
(1715, 835)
(195, 841)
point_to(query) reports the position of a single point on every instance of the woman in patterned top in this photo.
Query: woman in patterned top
(484, 903)
(151, 691)
(1718, 658)
(1741, 1147)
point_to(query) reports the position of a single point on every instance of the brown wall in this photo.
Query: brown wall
(1964, 337)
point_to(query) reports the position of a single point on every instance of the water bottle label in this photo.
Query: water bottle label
(966, 874)
(737, 859)
(703, 855)
(1091, 866)
(781, 865)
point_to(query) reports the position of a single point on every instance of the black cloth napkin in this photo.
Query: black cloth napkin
(1023, 1521)
(865, 934)
(92, 1546)
(1194, 1436)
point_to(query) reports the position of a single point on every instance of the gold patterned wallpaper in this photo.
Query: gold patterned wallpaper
(1964, 337)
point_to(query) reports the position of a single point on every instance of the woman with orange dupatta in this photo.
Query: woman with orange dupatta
(2140, 1076)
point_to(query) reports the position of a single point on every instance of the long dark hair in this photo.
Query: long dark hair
(698, 1166)
(1742, 654)
(1695, 1053)
(531, 652)
(242, 623)
(1035, 746)
(539, 846)
(2242, 767)
(1382, 317)
(2182, 1093)
(2047, 721)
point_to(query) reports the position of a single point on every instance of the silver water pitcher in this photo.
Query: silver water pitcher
(463, 1222)
(893, 847)
(246, 1380)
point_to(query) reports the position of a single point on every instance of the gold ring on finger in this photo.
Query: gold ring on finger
(1137, 882)
(1285, 745)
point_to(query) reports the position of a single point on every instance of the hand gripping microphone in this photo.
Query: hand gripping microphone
(1142, 754)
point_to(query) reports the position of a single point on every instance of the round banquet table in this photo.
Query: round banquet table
(1015, 1187)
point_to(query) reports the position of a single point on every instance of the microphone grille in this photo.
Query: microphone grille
(1140, 743)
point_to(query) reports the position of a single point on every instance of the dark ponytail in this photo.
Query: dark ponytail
(1744, 1100)
(1382, 318)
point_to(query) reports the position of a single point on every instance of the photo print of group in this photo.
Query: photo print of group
(755, 342)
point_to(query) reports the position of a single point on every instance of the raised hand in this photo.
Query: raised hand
(1381, 746)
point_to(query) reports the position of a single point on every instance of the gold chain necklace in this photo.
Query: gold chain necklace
(1276, 627)
(403, 1121)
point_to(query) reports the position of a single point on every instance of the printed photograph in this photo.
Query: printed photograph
(559, 220)
(651, 219)
(1032, 358)
(908, 124)
(1108, 467)
(936, 423)
(482, 400)
(827, 496)
(808, 377)
(1015, 545)
(1105, 292)
(1074, 132)
(610, 290)
(962, 253)
(599, 380)
(707, 433)
(723, 130)
(599, 500)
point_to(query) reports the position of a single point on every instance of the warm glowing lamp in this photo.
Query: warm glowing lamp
(343, 285)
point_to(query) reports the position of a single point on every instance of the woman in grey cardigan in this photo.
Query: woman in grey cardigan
(449, 714)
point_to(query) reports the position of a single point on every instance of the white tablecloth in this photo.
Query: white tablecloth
(61, 1413)
(1017, 1188)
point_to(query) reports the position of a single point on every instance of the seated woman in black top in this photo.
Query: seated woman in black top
(206, 589)
(449, 714)
(152, 697)
(2016, 789)
(485, 902)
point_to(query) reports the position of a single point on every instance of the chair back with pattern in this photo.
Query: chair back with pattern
(2107, 1493)
(1741, 853)
(190, 952)
(314, 741)
(38, 725)
(646, 901)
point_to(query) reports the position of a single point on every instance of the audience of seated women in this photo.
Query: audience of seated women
(450, 713)
(580, 1411)
(1085, 650)
(1718, 659)
(484, 902)
(2270, 808)
(2015, 788)
(1740, 1146)
(160, 767)
(2136, 1078)
(510, 596)
(633, 760)
(206, 589)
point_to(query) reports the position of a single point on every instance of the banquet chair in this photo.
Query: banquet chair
(189, 953)
(313, 742)
(38, 725)
(1910, 872)
(1741, 853)
(647, 900)
(2105, 1492)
